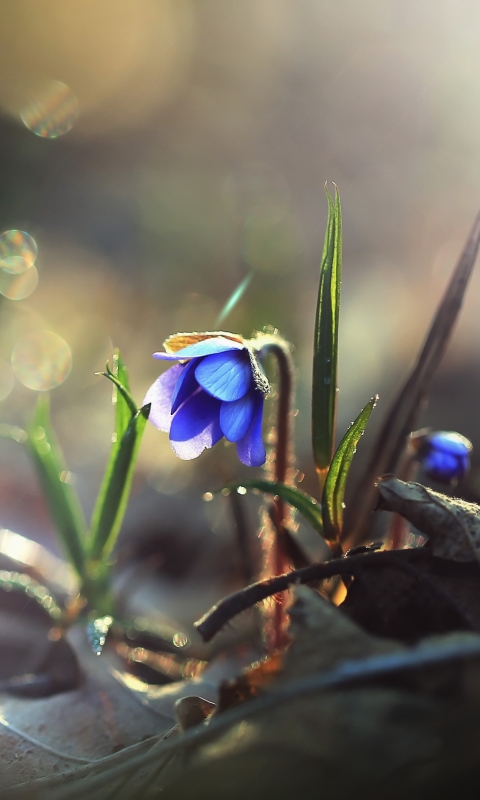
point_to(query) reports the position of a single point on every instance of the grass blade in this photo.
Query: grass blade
(115, 490)
(120, 380)
(61, 497)
(306, 505)
(403, 415)
(125, 410)
(334, 490)
(325, 355)
(124, 404)
(234, 298)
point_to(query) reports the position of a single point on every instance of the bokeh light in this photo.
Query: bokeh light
(18, 251)
(42, 360)
(6, 379)
(17, 287)
(53, 112)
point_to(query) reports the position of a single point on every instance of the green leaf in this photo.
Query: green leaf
(325, 354)
(308, 506)
(121, 382)
(234, 298)
(111, 506)
(125, 410)
(61, 497)
(334, 490)
(125, 407)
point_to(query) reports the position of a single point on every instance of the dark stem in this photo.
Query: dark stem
(243, 536)
(240, 601)
(278, 509)
(399, 527)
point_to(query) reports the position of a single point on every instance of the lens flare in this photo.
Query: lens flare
(6, 379)
(42, 360)
(17, 287)
(53, 112)
(18, 251)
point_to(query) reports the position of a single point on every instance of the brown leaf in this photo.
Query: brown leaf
(452, 525)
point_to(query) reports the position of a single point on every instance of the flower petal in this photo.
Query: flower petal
(160, 396)
(227, 376)
(236, 417)
(195, 426)
(205, 348)
(186, 386)
(180, 340)
(250, 449)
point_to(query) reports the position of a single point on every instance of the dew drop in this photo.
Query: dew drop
(241, 490)
(208, 496)
(326, 380)
(180, 639)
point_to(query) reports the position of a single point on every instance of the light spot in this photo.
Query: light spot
(53, 112)
(18, 251)
(41, 361)
(18, 286)
(6, 379)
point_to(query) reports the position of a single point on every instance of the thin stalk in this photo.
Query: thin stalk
(277, 560)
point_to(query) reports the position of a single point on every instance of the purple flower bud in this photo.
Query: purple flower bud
(216, 390)
(445, 455)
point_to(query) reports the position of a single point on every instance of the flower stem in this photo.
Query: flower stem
(276, 560)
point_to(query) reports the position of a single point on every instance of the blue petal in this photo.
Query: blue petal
(160, 396)
(250, 449)
(445, 467)
(445, 455)
(218, 344)
(449, 442)
(236, 417)
(227, 376)
(186, 386)
(195, 426)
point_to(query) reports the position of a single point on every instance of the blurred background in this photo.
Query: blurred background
(158, 152)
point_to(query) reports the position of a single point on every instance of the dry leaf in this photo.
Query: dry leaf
(452, 525)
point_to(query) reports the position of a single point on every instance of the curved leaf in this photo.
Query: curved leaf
(61, 497)
(334, 491)
(325, 354)
(310, 508)
(106, 524)
(125, 409)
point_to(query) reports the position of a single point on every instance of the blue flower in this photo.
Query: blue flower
(445, 455)
(216, 390)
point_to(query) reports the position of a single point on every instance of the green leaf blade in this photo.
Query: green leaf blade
(334, 490)
(62, 499)
(306, 505)
(116, 488)
(325, 355)
(125, 410)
